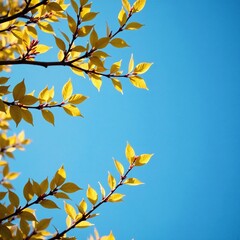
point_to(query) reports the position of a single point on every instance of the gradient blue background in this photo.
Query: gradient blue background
(189, 119)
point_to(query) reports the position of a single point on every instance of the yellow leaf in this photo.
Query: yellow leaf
(102, 42)
(111, 181)
(102, 190)
(36, 188)
(122, 17)
(83, 2)
(138, 5)
(13, 198)
(115, 66)
(44, 95)
(70, 187)
(61, 195)
(78, 49)
(119, 43)
(119, 167)
(67, 90)
(44, 185)
(93, 37)
(75, 6)
(96, 80)
(48, 116)
(60, 55)
(82, 207)
(132, 182)
(43, 224)
(45, 27)
(28, 191)
(60, 176)
(126, 5)
(42, 48)
(69, 209)
(60, 43)
(109, 237)
(12, 175)
(27, 115)
(19, 91)
(54, 6)
(77, 99)
(28, 214)
(32, 31)
(89, 16)
(68, 221)
(72, 110)
(29, 100)
(2, 195)
(46, 203)
(3, 80)
(84, 31)
(131, 64)
(143, 159)
(117, 85)
(142, 68)
(84, 224)
(133, 26)
(92, 195)
(71, 24)
(138, 82)
(116, 197)
(78, 71)
(129, 153)
(16, 114)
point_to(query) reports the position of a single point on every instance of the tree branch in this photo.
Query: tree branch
(23, 12)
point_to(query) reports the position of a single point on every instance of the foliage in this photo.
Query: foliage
(20, 25)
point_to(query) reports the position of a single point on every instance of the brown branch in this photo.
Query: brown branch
(88, 214)
(20, 209)
(23, 12)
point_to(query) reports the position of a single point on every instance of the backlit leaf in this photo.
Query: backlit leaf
(131, 64)
(143, 159)
(27, 115)
(119, 167)
(61, 195)
(132, 182)
(142, 68)
(92, 195)
(67, 90)
(102, 42)
(69, 209)
(138, 5)
(82, 207)
(129, 153)
(60, 176)
(89, 16)
(42, 48)
(72, 110)
(102, 190)
(116, 197)
(122, 17)
(126, 5)
(117, 85)
(77, 99)
(84, 224)
(138, 82)
(96, 81)
(111, 181)
(93, 37)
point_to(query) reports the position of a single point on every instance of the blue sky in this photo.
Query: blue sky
(189, 119)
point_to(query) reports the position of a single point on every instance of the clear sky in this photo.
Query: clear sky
(189, 119)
